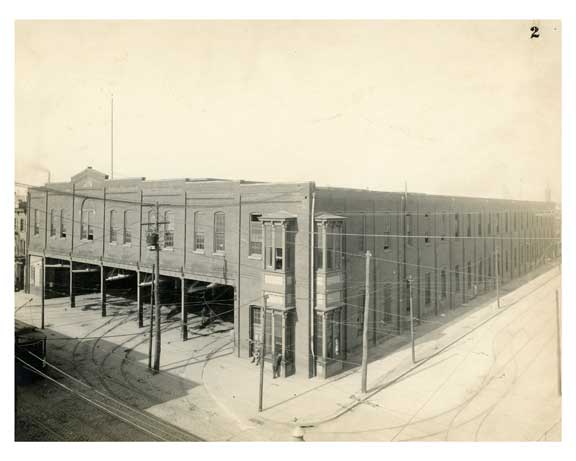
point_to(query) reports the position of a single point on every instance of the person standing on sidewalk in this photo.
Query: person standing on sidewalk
(276, 364)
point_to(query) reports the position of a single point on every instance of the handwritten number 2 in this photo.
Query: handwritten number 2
(534, 31)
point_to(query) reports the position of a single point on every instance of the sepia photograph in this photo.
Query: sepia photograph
(287, 230)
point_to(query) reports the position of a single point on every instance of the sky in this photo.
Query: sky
(449, 107)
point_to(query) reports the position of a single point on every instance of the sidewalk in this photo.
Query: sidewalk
(233, 382)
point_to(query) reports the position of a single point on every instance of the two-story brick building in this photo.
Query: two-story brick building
(300, 245)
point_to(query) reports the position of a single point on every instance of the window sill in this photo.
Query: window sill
(168, 249)
(127, 244)
(198, 252)
(219, 253)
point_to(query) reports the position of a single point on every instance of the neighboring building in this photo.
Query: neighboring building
(242, 240)
(20, 228)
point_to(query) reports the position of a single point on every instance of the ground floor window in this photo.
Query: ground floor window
(327, 332)
(279, 334)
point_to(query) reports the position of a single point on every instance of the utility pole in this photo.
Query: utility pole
(151, 316)
(43, 288)
(365, 326)
(497, 257)
(558, 344)
(262, 352)
(157, 292)
(411, 320)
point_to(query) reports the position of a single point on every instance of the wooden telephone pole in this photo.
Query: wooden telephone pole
(262, 353)
(365, 325)
(157, 293)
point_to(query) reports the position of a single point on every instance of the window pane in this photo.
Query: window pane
(255, 231)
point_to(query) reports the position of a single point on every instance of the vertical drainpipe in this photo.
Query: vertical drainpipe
(311, 281)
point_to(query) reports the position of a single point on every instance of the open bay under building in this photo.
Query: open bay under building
(302, 247)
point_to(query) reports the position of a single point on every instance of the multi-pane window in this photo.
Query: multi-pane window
(469, 275)
(468, 225)
(387, 240)
(21, 224)
(489, 223)
(387, 294)
(480, 272)
(127, 226)
(255, 235)
(169, 229)
(113, 226)
(427, 227)
(62, 225)
(480, 224)
(333, 334)
(219, 231)
(199, 234)
(278, 248)
(274, 247)
(506, 222)
(427, 288)
(334, 246)
(36, 224)
(444, 226)
(443, 287)
(52, 224)
(497, 223)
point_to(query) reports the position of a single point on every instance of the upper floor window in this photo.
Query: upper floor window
(443, 227)
(274, 247)
(427, 226)
(318, 246)
(63, 231)
(199, 234)
(127, 226)
(334, 246)
(480, 224)
(87, 224)
(387, 240)
(468, 224)
(457, 278)
(113, 227)
(409, 230)
(255, 235)
(52, 224)
(489, 223)
(169, 229)
(36, 223)
(443, 289)
(506, 217)
(456, 225)
(21, 224)
(497, 223)
(219, 231)
(427, 288)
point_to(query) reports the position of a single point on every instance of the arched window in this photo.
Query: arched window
(87, 214)
(113, 227)
(219, 232)
(169, 229)
(128, 222)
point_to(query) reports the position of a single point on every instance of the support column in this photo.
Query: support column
(183, 310)
(283, 366)
(43, 295)
(72, 294)
(103, 289)
(139, 301)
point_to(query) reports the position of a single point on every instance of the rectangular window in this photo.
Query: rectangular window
(52, 224)
(113, 227)
(457, 278)
(469, 275)
(268, 256)
(480, 272)
(36, 224)
(169, 229)
(318, 319)
(199, 229)
(219, 232)
(456, 225)
(255, 235)
(127, 227)
(409, 226)
(443, 284)
(427, 288)
(333, 246)
(506, 222)
(427, 226)
(62, 225)
(255, 329)
(87, 225)
(278, 248)
(480, 224)
(21, 224)
(468, 225)
(489, 223)
(444, 226)
(387, 240)
(277, 329)
(318, 246)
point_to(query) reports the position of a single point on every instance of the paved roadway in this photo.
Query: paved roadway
(497, 384)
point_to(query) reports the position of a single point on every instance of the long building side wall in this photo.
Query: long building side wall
(447, 246)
